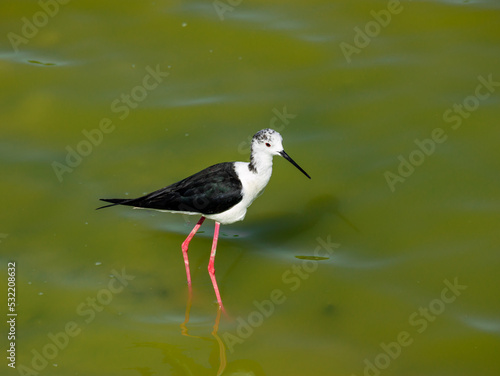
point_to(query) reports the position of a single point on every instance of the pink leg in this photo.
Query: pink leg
(185, 246)
(211, 266)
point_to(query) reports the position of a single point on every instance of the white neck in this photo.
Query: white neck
(261, 163)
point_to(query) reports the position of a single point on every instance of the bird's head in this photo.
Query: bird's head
(268, 141)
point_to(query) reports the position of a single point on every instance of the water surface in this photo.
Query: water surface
(384, 263)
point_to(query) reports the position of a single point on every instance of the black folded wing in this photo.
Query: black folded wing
(210, 191)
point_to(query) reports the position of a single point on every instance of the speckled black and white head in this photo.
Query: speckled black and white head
(267, 141)
(265, 144)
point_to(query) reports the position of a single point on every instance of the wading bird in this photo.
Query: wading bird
(221, 192)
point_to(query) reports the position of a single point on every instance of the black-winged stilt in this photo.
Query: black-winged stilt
(221, 192)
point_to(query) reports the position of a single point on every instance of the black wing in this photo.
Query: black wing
(210, 191)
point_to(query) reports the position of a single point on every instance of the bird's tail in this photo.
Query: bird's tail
(114, 201)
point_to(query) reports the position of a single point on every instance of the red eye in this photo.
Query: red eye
(268, 144)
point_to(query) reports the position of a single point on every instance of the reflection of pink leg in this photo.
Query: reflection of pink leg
(184, 330)
(185, 245)
(222, 347)
(211, 266)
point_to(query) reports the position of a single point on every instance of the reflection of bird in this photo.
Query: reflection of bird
(221, 192)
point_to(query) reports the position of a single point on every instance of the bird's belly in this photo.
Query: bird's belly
(235, 214)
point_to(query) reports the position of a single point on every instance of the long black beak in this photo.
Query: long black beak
(287, 157)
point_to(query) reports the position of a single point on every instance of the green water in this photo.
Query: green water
(385, 263)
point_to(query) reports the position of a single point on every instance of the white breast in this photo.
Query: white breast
(253, 186)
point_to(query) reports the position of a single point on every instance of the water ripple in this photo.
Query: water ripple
(484, 324)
